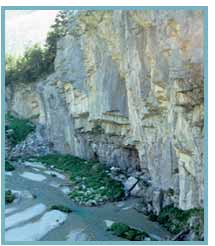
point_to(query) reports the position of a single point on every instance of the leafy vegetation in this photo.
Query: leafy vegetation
(125, 231)
(37, 62)
(61, 208)
(92, 184)
(17, 129)
(28, 68)
(176, 220)
(9, 196)
(58, 30)
(8, 166)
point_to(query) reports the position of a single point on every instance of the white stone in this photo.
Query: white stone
(36, 230)
(65, 189)
(9, 173)
(34, 164)
(10, 210)
(33, 176)
(137, 191)
(77, 235)
(130, 183)
(108, 223)
(127, 208)
(25, 215)
(59, 175)
(54, 184)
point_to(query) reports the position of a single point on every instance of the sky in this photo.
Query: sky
(24, 28)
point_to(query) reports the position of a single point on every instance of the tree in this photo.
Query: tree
(58, 30)
(27, 68)
(37, 61)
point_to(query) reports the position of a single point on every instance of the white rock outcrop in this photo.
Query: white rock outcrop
(128, 90)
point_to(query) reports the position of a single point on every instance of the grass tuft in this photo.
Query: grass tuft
(8, 166)
(9, 196)
(125, 231)
(61, 208)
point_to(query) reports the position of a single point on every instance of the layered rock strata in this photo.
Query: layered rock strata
(128, 91)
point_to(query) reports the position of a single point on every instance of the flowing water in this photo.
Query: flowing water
(37, 188)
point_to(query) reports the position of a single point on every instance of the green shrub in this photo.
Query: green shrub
(119, 229)
(28, 68)
(8, 166)
(18, 129)
(125, 231)
(9, 196)
(176, 220)
(61, 208)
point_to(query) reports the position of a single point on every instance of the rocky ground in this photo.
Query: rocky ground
(37, 188)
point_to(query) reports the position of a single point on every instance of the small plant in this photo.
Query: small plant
(119, 229)
(9, 196)
(125, 231)
(61, 208)
(34, 196)
(8, 166)
(153, 217)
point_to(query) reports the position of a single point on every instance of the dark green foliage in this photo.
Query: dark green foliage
(9, 196)
(61, 208)
(153, 217)
(18, 129)
(119, 229)
(92, 184)
(8, 166)
(28, 68)
(58, 30)
(125, 231)
(176, 220)
(37, 62)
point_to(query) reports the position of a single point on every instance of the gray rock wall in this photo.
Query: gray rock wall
(128, 90)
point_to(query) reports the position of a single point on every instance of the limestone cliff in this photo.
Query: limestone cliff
(128, 90)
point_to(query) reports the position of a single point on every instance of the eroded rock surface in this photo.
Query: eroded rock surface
(128, 91)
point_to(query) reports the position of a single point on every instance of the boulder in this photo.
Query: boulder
(130, 183)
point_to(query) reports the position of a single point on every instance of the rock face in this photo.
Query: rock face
(128, 90)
